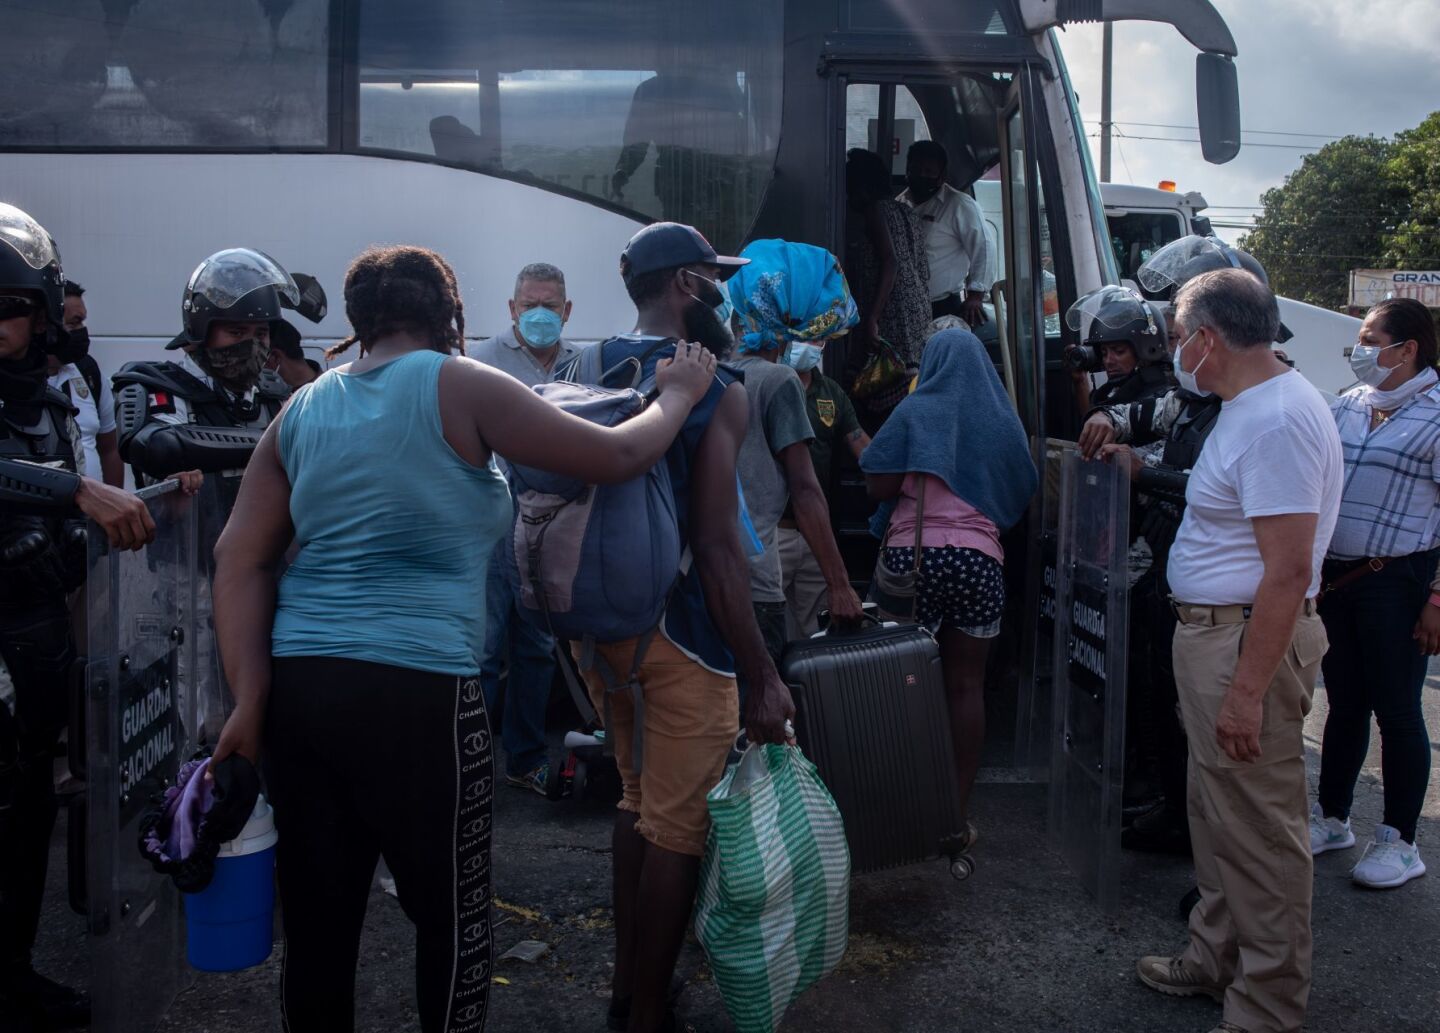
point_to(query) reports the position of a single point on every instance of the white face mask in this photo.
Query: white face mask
(1365, 363)
(1187, 380)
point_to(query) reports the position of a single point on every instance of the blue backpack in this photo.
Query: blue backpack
(593, 562)
(597, 563)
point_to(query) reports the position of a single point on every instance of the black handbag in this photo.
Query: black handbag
(894, 593)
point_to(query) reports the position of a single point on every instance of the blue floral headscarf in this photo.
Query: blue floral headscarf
(790, 292)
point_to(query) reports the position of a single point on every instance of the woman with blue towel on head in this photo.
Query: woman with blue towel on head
(954, 460)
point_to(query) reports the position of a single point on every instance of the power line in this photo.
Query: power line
(1254, 132)
(1176, 139)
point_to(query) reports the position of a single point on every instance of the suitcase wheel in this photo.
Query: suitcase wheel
(962, 867)
(581, 778)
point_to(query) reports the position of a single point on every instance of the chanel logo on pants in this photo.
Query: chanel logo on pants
(476, 742)
(469, 1013)
(476, 827)
(475, 972)
(474, 931)
(470, 691)
(475, 790)
(475, 898)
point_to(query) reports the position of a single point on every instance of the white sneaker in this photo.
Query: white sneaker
(1389, 861)
(1328, 833)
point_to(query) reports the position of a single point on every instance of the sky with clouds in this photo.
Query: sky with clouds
(1325, 67)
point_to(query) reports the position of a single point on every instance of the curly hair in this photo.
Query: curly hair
(403, 289)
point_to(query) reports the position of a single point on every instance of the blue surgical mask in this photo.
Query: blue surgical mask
(1365, 363)
(722, 308)
(540, 326)
(803, 357)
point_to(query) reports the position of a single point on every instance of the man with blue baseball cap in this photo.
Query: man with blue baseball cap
(687, 671)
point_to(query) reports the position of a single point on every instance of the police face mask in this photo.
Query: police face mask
(237, 366)
(803, 357)
(540, 326)
(1365, 363)
(1187, 379)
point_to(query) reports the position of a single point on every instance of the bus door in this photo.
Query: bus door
(983, 117)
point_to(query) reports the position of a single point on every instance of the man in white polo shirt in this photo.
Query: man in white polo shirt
(531, 349)
(1244, 571)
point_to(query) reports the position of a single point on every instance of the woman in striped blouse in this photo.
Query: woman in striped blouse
(1381, 610)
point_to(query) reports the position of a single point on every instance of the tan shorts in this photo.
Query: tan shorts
(691, 719)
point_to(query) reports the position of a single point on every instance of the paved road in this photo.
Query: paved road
(1018, 947)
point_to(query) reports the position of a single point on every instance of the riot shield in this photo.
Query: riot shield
(1091, 624)
(141, 726)
(212, 693)
(1033, 731)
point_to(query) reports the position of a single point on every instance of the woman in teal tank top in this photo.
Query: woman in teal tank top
(359, 666)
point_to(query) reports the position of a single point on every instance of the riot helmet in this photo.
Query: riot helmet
(1178, 262)
(1116, 315)
(30, 261)
(238, 284)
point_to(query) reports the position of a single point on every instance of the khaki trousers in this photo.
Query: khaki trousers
(1251, 930)
(806, 593)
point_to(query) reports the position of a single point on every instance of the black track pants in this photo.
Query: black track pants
(363, 761)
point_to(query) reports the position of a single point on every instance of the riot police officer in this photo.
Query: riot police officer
(1124, 335)
(43, 502)
(166, 412)
(1181, 420)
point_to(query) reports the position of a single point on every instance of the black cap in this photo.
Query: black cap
(669, 245)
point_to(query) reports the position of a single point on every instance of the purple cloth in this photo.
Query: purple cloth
(174, 835)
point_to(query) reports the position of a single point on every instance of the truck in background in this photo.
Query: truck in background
(1144, 219)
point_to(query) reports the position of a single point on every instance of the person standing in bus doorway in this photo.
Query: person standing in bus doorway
(790, 296)
(531, 349)
(74, 371)
(885, 257)
(954, 234)
(708, 632)
(1244, 572)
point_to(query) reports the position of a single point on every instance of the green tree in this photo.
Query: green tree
(1336, 212)
(1414, 167)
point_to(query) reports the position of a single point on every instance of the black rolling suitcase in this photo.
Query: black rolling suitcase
(872, 716)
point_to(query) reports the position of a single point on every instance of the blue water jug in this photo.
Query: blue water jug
(230, 925)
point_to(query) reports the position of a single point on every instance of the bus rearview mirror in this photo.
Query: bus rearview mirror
(1217, 100)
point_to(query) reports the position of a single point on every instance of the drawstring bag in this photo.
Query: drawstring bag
(773, 911)
(884, 380)
(181, 835)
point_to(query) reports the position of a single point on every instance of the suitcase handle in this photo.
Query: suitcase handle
(868, 620)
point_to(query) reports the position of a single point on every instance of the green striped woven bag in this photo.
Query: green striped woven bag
(773, 912)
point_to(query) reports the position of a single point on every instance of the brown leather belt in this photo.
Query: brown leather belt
(1373, 565)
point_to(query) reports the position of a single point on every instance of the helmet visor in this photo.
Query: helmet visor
(27, 237)
(1170, 266)
(1112, 307)
(227, 276)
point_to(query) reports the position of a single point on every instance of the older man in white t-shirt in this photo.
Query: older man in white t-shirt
(1244, 572)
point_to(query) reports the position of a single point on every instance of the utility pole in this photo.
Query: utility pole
(1106, 54)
